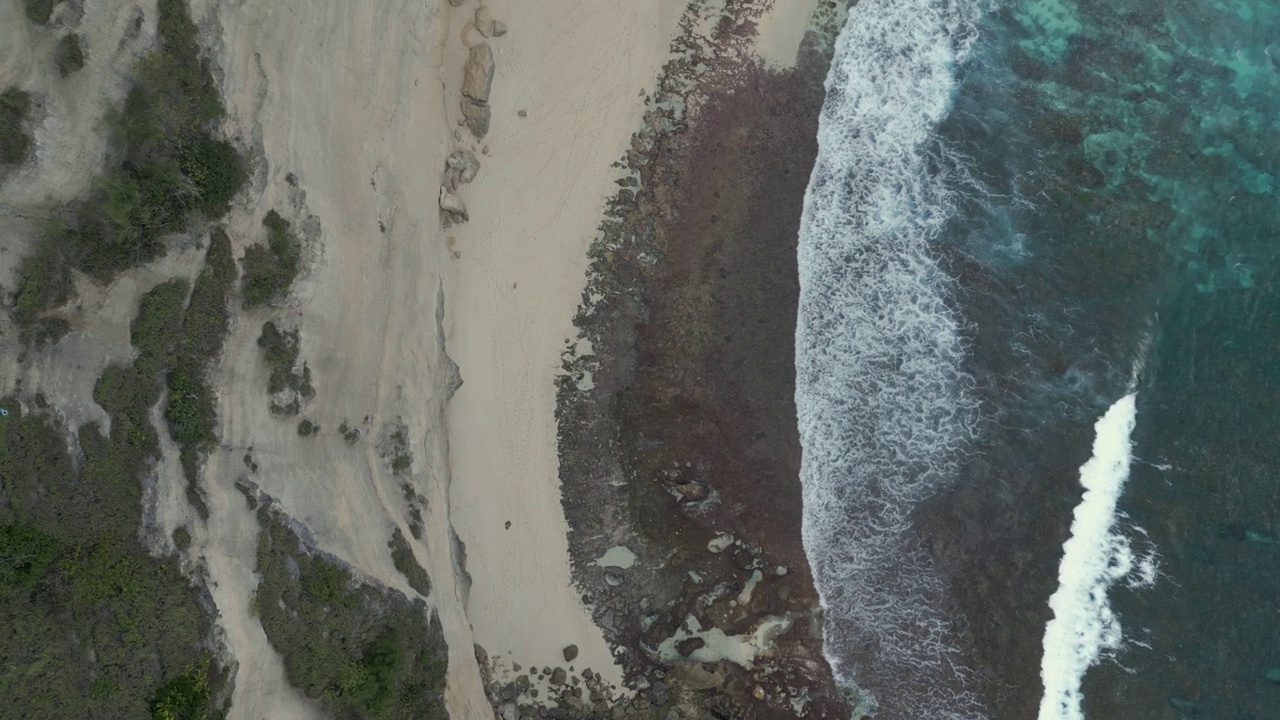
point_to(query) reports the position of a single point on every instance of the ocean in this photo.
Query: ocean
(1037, 380)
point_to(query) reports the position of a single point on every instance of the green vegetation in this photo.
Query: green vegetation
(183, 697)
(192, 408)
(396, 449)
(167, 168)
(43, 282)
(69, 56)
(38, 11)
(15, 141)
(362, 651)
(90, 624)
(349, 434)
(269, 270)
(407, 564)
(280, 351)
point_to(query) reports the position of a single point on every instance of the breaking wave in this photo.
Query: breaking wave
(884, 405)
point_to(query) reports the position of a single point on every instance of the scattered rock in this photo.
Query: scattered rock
(499, 28)
(476, 116)
(558, 676)
(484, 21)
(570, 653)
(462, 167)
(455, 3)
(477, 74)
(522, 113)
(452, 205)
(508, 711)
(484, 150)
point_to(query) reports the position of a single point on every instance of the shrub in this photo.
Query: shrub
(380, 655)
(38, 11)
(269, 270)
(306, 428)
(15, 143)
(402, 557)
(68, 55)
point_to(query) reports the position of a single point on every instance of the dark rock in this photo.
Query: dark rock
(558, 676)
(509, 691)
(476, 115)
(688, 646)
(570, 653)
(658, 694)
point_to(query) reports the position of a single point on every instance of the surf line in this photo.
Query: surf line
(1094, 558)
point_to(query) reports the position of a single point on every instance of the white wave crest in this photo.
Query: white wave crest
(883, 404)
(1094, 558)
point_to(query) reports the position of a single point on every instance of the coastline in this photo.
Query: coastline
(428, 456)
(511, 290)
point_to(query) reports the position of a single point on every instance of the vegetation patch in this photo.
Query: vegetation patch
(69, 55)
(191, 411)
(407, 564)
(349, 434)
(289, 386)
(395, 448)
(90, 624)
(306, 428)
(360, 650)
(269, 269)
(167, 167)
(39, 11)
(15, 141)
(417, 504)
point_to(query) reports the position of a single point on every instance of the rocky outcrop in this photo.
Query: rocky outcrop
(477, 81)
(476, 115)
(477, 74)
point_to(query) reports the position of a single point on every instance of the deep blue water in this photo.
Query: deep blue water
(1021, 213)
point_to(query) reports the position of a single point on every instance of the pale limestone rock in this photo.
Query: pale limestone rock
(476, 115)
(477, 74)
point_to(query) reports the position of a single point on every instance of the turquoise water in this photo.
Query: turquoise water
(1073, 200)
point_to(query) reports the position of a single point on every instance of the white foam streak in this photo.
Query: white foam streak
(883, 405)
(1095, 557)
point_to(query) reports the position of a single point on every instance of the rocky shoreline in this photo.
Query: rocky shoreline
(678, 446)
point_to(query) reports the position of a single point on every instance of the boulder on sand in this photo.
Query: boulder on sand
(476, 115)
(462, 166)
(484, 21)
(477, 74)
(452, 205)
(570, 653)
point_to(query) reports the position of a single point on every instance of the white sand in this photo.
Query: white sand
(577, 69)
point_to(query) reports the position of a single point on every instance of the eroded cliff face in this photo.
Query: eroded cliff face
(678, 438)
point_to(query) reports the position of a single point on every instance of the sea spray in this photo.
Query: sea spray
(1095, 557)
(884, 407)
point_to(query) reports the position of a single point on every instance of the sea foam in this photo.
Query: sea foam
(884, 407)
(1095, 557)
